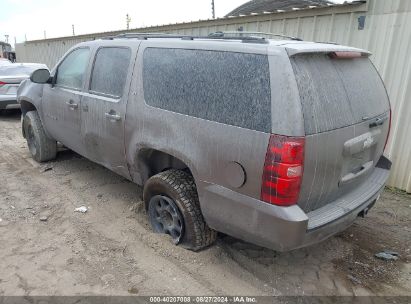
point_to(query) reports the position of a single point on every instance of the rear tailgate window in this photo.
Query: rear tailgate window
(336, 93)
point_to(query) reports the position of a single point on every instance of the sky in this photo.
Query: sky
(30, 18)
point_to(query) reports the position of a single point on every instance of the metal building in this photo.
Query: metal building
(381, 26)
(261, 6)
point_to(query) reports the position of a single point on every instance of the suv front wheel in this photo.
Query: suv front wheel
(174, 209)
(42, 148)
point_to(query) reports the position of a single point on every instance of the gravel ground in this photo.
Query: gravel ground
(48, 249)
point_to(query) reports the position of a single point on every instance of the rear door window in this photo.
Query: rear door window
(338, 92)
(226, 87)
(110, 71)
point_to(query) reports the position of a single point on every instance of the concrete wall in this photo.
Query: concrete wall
(387, 34)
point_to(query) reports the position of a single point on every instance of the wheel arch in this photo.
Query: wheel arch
(25, 107)
(151, 161)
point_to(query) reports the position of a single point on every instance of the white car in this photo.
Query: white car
(11, 75)
(4, 61)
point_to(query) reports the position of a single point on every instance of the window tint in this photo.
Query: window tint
(71, 71)
(226, 87)
(110, 71)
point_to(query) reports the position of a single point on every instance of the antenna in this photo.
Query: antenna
(128, 20)
(212, 9)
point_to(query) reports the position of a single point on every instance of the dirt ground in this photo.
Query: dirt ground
(48, 249)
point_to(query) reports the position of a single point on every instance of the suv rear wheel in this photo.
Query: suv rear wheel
(42, 148)
(174, 209)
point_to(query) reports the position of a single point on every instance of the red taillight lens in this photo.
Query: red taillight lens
(389, 130)
(2, 83)
(283, 169)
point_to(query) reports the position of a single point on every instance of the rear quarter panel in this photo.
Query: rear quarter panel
(208, 148)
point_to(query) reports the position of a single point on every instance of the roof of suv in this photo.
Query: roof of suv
(291, 44)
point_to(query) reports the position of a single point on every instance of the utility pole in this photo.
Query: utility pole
(7, 38)
(45, 34)
(72, 26)
(212, 9)
(128, 20)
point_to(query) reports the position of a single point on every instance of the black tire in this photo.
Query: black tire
(179, 186)
(41, 147)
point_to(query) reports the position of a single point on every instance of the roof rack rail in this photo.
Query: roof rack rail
(145, 36)
(245, 38)
(240, 34)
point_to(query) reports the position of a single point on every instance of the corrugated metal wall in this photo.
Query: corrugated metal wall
(387, 34)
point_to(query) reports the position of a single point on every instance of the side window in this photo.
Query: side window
(110, 71)
(226, 87)
(72, 70)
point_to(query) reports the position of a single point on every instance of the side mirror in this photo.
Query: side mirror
(40, 76)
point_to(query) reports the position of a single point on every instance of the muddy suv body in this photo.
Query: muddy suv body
(279, 143)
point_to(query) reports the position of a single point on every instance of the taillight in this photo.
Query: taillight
(389, 130)
(345, 55)
(2, 83)
(283, 170)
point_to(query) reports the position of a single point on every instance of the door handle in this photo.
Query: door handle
(378, 122)
(112, 116)
(71, 104)
(352, 176)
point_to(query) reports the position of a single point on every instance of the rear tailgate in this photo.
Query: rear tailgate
(346, 120)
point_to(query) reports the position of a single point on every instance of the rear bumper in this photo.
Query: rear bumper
(287, 228)
(9, 102)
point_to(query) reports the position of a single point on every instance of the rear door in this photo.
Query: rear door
(61, 101)
(104, 107)
(346, 120)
